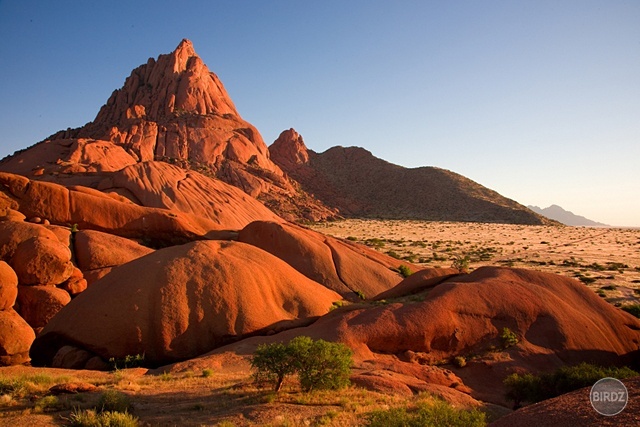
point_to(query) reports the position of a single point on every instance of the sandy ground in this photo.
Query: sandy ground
(605, 259)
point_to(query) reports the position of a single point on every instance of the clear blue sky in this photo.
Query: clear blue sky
(538, 100)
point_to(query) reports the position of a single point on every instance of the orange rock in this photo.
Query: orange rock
(418, 282)
(12, 233)
(8, 286)
(38, 304)
(101, 212)
(75, 284)
(16, 337)
(183, 301)
(42, 261)
(94, 250)
(341, 267)
(160, 185)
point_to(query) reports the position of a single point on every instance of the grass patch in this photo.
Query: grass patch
(435, 413)
(91, 418)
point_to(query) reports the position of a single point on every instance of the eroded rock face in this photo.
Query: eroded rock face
(91, 209)
(342, 267)
(183, 301)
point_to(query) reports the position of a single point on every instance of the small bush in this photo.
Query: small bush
(535, 388)
(405, 271)
(360, 294)
(319, 364)
(461, 263)
(438, 413)
(207, 372)
(508, 338)
(460, 361)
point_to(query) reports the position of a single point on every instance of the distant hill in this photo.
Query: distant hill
(567, 218)
(360, 185)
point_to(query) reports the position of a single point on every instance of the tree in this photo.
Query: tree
(273, 362)
(319, 364)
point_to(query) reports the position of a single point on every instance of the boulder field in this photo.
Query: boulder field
(556, 321)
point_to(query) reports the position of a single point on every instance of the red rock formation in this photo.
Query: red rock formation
(94, 210)
(342, 267)
(95, 250)
(172, 109)
(182, 301)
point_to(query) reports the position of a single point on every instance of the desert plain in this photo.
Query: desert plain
(219, 390)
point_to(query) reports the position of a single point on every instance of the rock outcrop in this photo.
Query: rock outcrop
(172, 109)
(340, 266)
(183, 301)
(360, 185)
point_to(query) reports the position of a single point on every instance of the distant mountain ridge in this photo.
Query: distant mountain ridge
(559, 214)
(360, 185)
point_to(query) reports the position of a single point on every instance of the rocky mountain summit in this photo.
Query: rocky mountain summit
(171, 109)
(360, 185)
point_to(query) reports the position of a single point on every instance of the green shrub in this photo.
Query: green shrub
(535, 388)
(461, 263)
(405, 271)
(319, 364)
(508, 338)
(633, 309)
(436, 414)
(91, 418)
(360, 294)
(207, 372)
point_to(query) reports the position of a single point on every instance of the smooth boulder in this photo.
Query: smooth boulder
(182, 301)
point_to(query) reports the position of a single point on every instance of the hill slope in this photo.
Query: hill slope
(358, 184)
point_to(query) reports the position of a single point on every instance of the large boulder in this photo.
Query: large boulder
(341, 266)
(182, 301)
(96, 250)
(42, 261)
(8, 286)
(38, 304)
(16, 337)
(12, 233)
